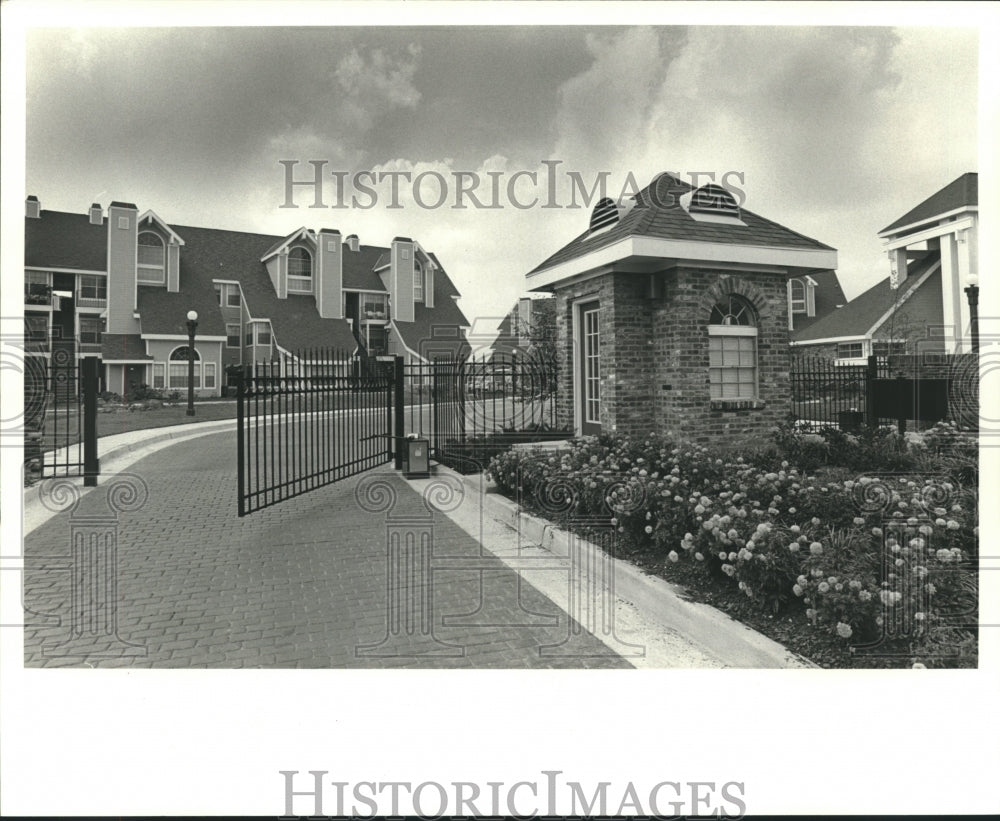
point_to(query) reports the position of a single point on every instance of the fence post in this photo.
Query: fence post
(91, 464)
(871, 376)
(240, 424)
(397, 428)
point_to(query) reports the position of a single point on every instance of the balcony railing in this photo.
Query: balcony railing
(37, 294)
(91, 301)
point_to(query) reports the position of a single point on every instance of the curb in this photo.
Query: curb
(730, 641)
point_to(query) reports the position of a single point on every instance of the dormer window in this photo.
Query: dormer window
(418, 282)
(151, 258)
(797, 296)
(801, 297)
(299, 271)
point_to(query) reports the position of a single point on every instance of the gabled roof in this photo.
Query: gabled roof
(60, 240)
(359, 267)
(213, 254)
(284, 242)
(860, 315)
(827, 295)
(960, 193)
(445, 314)
(658, 213)
(152, 216)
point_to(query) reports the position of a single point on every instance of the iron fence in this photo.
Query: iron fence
(60, 419)
(308, 420)
(902, 389)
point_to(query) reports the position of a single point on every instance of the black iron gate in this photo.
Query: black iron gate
(307, 421)
(60, 415)
(314, 418)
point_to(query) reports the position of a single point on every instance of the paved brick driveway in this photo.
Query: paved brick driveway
(302, 584)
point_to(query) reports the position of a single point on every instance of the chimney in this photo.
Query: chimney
(96, 214)
(352, 242)
(123, 218)
(401, 279)
(32, 207)
(328, 275)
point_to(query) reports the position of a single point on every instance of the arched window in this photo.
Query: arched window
(151, 258)
(732, 349)
(299, 271)
(796, 296)
(177, 373)
(299, 263)
(183, 354)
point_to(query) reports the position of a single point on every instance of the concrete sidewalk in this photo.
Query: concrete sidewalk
(309, 582)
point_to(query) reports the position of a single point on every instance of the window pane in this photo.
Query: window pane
(209, 374)
(233, 296)
(233, 335)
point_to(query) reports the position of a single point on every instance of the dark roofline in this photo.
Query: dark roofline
(961, 192)
(32, 198)
(329, 231)
(116, 204)
(401, 239)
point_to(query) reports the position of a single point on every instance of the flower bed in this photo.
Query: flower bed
(882, 565)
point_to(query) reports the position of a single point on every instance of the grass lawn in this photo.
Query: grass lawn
(109, 424)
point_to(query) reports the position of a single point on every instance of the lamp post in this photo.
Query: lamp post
(972, 292)
(192, 323)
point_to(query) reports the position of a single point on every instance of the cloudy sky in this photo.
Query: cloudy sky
(833, 131)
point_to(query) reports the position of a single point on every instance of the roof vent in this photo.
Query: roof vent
(714, 199)
(605, 213)
(96, 214)
(32, 207)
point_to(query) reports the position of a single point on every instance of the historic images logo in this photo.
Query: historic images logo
(488, 191)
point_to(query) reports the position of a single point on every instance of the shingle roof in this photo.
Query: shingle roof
(445, 314)
(358, 267)
(858, 316)
(959, 193)
(121, 347)
(658, 213)
(60, 240)
(234, 255)
(827, 296)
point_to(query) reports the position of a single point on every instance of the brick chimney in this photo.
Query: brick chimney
(32, 207)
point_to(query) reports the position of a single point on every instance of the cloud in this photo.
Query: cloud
(371, 81)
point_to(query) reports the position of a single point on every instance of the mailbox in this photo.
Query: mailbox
(416, 460)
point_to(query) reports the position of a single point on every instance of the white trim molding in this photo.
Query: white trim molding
(678, 252)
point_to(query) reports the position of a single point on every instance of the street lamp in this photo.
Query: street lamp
(192, 323)
(972, 292)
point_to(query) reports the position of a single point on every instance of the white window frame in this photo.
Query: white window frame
(239, 335)
(96, 281)
(300, 283)
(266, 328)
(89, 319)
(798, 305)
(208, 375)
(159, 375)
(146, 272)
(418, 281)
(591, 366)
(859, 355)
(721, 332)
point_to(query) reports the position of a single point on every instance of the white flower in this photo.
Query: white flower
(672, 555)
(816, 548)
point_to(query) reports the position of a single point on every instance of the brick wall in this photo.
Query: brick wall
(654, 353)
